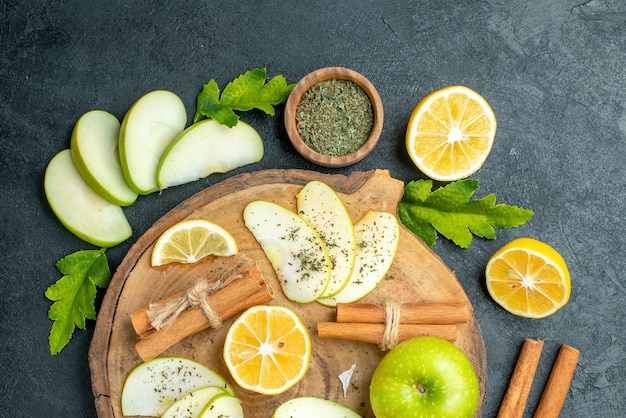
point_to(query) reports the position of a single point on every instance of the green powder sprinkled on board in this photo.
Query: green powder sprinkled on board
(335, 117)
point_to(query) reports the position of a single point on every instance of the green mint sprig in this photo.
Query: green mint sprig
(450, 212)
(246, 92)
(74, 294)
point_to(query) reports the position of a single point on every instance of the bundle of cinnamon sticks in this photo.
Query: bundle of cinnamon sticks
(387, 325)
(239, 293)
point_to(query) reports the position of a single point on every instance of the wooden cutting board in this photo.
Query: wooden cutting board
(417, 275)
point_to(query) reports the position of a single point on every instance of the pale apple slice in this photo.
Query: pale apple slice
(193, 403)
(296, 252)
(81, 210)
(323, 209)
(222, 406)
(152, 387)
(208, 147)
(377, 238)
(149, 126)
(96, 156)
(310, 406)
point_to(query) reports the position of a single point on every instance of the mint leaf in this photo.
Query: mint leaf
(249, 91)
(209, 106)
(74, 294)
(450, 212)
(246, 92)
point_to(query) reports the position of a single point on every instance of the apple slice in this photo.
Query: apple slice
(222, 406)
(95, 154)
(377, 237)
(296, 252)
(153, 386)
(192, 403)
(81, 210)
(208, 147)
(149, 126)
(321, 207)
(310, 406)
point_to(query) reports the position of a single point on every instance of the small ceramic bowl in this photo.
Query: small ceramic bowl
(294, 100)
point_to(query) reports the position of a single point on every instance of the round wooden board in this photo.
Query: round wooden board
(417, 275)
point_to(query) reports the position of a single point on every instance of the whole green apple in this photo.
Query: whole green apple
(424, 377)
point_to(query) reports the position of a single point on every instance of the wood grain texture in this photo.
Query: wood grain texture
(417, 275)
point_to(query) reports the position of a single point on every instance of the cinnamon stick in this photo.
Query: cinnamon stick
(514, 401)
(410, 313)
(251, 289)
(373, 333)
(222, 301)
(558, 383)
(189, 323)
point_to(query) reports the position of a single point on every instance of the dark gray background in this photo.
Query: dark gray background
(553, 71)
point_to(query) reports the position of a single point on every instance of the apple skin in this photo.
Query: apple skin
(96, 157)
(208, 147)
(151, 387)
(147, 129)
(424, 377)
(222, 406)
(320, 206)
(310, 406)
(296, 252)
(377, 237)
(193, 402)
(79, 208)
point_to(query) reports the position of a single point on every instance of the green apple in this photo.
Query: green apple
(152, 387)
(81, 210)
(323, 209)
(310, 406)
(296, 252)
(377, 237)
(193, 402)
(95, 154)
(424, 377)
(222, 406)
(208, 147)
(148, 128)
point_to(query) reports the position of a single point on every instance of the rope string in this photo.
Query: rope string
(162, 315)
(392, 326)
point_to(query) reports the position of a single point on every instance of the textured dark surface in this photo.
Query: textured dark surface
(553, 71)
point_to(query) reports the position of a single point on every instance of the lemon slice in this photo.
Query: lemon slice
(528, 278)
(191, 240)
(267, 349)
(450, 133)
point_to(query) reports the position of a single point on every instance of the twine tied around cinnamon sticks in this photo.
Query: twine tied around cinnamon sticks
(162, 315)
(392, 326)
(204, 305)
(390, 323)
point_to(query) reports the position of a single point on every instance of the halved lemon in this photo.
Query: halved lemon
(450, 133)
(191, 240)
(267, 349)
(528, 278)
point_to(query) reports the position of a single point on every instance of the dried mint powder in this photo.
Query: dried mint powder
(335, 117)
